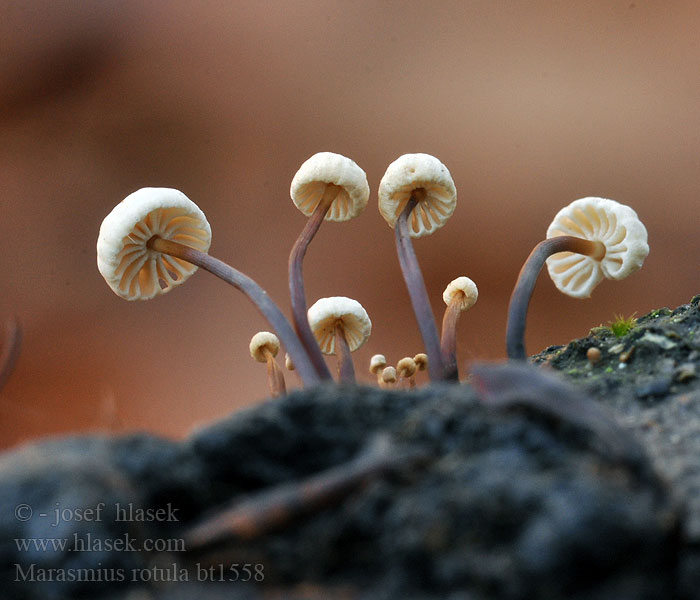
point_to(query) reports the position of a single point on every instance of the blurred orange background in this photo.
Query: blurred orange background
(529, 104)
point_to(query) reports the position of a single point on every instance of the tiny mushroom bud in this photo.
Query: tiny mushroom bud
(388, 376)
(460, 295)
(376, 365)
(416, 196)
(327, 186)
(340, 326)
(156, 238)
(288, 363)
(421, 360)
(264, 346)
(593, 355)
(590, 239)
(406, 369)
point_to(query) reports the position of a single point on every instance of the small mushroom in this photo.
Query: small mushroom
(340, 326)
(416, 197)
(388, 377)
(406, 369)
(264, 346)
(421, 360)
(459, 295)
(331, 187)
(376, 365)
(156, 238)
(589, 240)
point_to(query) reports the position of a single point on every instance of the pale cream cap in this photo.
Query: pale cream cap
(466, 288)
(616, 225)
(130, 268)
(324, 168)
(326, 312)
(262, 340)
(415, 171)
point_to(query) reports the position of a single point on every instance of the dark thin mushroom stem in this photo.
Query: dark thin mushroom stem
(346, 370)
(520, 298)
(416, 288)
(273, 509)
(296, 281)
(9, 350)
(255, 294)
(448, 340)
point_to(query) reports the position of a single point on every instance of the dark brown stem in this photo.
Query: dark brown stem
(10, 350)
(273, 509)
(255, 294)
(416, 289)
(296, 282)
(275, 377)
(346, 370)
(448, 341)
(520, 298)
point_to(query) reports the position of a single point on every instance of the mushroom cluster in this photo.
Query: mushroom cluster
(156, 238)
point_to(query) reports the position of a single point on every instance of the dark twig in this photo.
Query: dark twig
(273, 509)
(518, 384)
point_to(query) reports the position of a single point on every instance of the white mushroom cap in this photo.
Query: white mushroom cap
(326, 312)
(262, 340)
(377, 363)
(615, 225)
(134, 271)
(467, 290)
(322, 169)
(408, 173)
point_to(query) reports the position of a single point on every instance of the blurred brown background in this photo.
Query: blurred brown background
(530, 105)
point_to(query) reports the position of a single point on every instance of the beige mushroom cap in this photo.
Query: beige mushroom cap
(408, 173)
(326, 312)
(322, 169)
(377, 363)
(262, 340)
(389, 375)
(406, 367)
(615, 225)
(134, 271)
(467, 290)
(421, 360)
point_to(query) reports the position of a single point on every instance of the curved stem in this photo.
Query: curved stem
(346, 370)
(448, 340)
(256, 295)
(520, 298)
(416, 289)
(296, 281)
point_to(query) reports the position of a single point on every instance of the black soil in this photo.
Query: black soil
(526, 484)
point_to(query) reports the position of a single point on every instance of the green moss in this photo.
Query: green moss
(621, 326)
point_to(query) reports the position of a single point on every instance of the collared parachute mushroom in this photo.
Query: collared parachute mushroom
(459, 295)
(416, 197)
(156, 238)
(327, 186)
(589, 240)
(340, 326)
